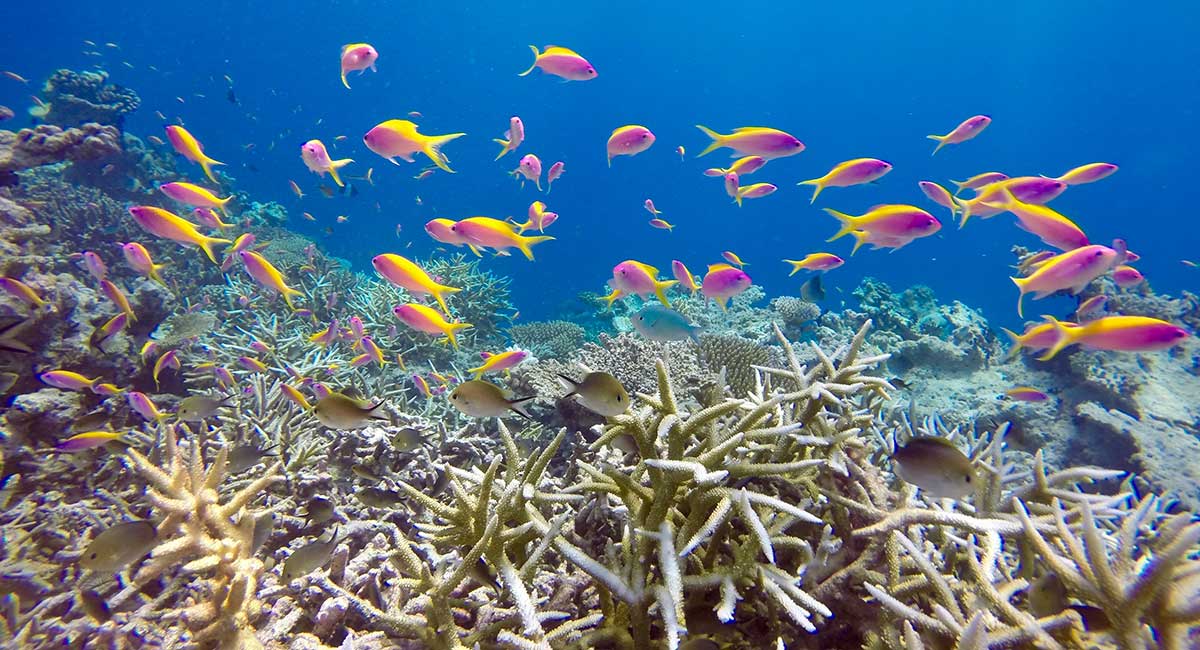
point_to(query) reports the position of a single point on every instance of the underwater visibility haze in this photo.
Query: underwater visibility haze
(599, 325)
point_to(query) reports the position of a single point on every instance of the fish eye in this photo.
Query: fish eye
(619, 398)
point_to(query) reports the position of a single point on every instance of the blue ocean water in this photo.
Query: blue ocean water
(1066, 84)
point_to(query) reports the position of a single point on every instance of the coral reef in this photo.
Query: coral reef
(556, 339)
(48, 143)
(76, 98)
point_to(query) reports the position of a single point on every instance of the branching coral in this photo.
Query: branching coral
(204, 534)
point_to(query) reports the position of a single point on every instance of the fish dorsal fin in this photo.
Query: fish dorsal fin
(743, 129)
(719, 267)
(486, 355)
(558, 49)
(936, 440)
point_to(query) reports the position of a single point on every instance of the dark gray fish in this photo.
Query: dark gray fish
(243, 457)
(936, 466)
(309, 558)
(378, 497)
(811, 290)
(482, 399)
(319, 510)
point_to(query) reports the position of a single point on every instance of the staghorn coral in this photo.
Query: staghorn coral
(556, 339)
(204, 534)
(76, 98)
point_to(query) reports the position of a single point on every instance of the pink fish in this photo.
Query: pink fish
(684, 276)
(1127, 277)
(849, 173)
(979, 180)
(423, 175)
(357, 57)
(1070, 271)
(531, 169)
(208, 218)
(85, 441)
(442, 230)
(1035, 337)
(628, 140)
(513, 137)
(1051, 227)
(755, 191)
(561, 62)
(731, 187)
(1037, 190)
(1089, 173)
(723, 282)
(761, 141)
(970, 127)
(67, 380)
(635, 278)
(95, 265)
(1090, 306)
(939, 195)
(422, 385)
(1026, 394)
(556, 170)
(140, 402)
(316, 158)
(1117, 334)
(661, 224)
(649, 205)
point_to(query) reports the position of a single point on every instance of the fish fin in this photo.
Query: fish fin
(207, 165)
(658, 291)
(503, 147)
(964, 207)
(437, 294)
(816, 190)
(334, 166)
(536, 54)
(847, 222)
(612, 297)
(518, 406)
(525, 244)
(1016, 342)
(344, 82)
(454, 327)
(475, 249)
(941, 140)
(860, 238)
(1020, 282)
(717, 140)
(567, 383)
(1062, 340)
(433, 149)
(206, 243)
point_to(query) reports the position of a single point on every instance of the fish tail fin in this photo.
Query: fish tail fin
(207, 164)
(526, 244)
(154, 274)
(860, 238)
(941, 140)
(738, 198)
(848, 223)
(658, 290)
(222, 205)
(334, 166)
(518, 406)
(1016, 341)
(1063, 338)
(536, 54)
(611, 298)
(718, 140)
(1020, 282)
(959, 185)
(796, 266)
(433, 149)
(344, 82)
(567, 383)
(438, 294)
(964, 207)
(452, 329)
(288, 292)
(206, 243)
(503, 147)
(816, 190)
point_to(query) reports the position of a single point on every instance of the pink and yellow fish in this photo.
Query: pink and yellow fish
(399, 139)
(743, 166)
(486, 232)
(499, 362)
(1089, 173)
(684, 276)
(1117, 334)
(424, 319)
(357, 57)
(723, 282)
(561, 62)
(405, 273)
(513, 137)
(316, 158)
(849, 173)
(87, 440)
(165, 224)
(629, 140)
(554, 172)
(815, 262)
(189, 147)
(969, 128)
(530, 168)
(1070, 271)
(267, 276)
(632, 277)
(765, 142)
(195, 196)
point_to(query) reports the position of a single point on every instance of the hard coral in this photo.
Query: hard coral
(47, 143)
(76, 98)
(556, 339)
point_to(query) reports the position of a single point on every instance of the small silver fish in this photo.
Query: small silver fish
(118, 546)
(309, 558)
(264, 525)
(408, 439)
(598, 392)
